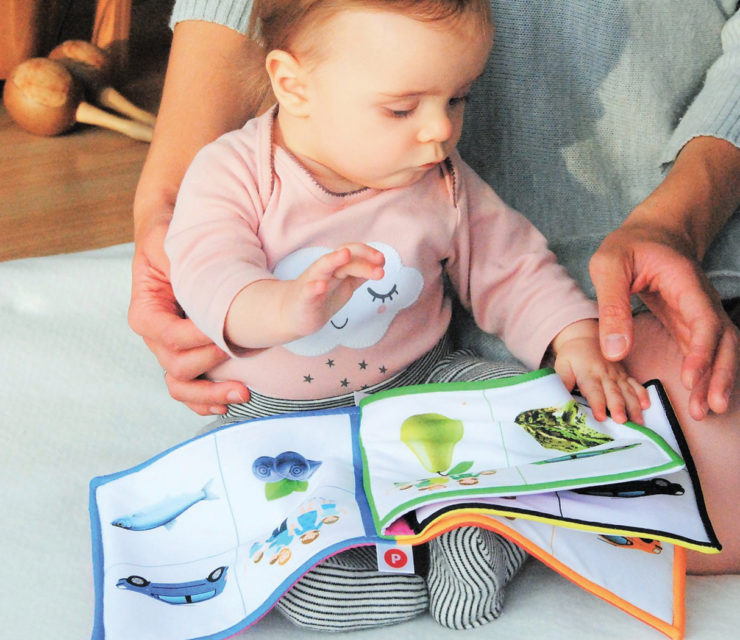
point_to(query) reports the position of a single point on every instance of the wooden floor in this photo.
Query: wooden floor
(66, 193)
(75, 191)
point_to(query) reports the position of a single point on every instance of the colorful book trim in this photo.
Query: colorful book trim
(201, 541)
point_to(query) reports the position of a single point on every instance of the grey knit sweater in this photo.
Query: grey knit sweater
(583, 106)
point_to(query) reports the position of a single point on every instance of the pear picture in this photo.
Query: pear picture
(432, 437)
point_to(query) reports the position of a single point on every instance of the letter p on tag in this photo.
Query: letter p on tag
(395, 558)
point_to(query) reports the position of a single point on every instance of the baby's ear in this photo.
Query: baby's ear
(288, 82)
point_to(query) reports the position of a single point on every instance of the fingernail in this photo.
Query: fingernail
(234, 396)
(217, 409)
(615, 345)
(702, 409)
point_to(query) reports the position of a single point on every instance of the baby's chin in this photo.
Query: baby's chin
(399, 180)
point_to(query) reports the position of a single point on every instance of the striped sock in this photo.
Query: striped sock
(469, 568)
(347, 592)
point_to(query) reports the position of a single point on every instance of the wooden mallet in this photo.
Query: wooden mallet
(92, 66)
(43, 97)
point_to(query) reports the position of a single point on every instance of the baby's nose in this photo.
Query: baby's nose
(437, 128)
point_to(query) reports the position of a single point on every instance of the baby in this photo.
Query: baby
(314, 246)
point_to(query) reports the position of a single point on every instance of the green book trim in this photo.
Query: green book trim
(673, 463)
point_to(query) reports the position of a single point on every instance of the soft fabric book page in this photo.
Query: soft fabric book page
(224, 521)
(668, 507)
(509, 437)
(203, 539)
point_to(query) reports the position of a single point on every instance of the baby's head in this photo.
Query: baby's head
(371, 92)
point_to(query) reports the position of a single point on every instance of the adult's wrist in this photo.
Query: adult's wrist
(150, 212)
(697, 197)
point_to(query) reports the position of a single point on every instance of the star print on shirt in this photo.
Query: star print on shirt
(362, 365)
(308, 378)
(330, 363)
(344, 382)
(382, 369)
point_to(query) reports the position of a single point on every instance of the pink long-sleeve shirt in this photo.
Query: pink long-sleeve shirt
(247, 210)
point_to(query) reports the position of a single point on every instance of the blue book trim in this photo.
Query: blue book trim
(360, 496)
(98, 556)
(365, 525)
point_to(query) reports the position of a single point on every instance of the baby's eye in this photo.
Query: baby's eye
(459, 100)
(400, 113)
(383, 296)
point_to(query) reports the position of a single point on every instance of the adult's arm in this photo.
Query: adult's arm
(230, 13)
(212, 86)
(656, 251)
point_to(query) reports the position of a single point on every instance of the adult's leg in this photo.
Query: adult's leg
(714, 442)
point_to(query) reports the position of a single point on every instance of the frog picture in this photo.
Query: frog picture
(561, 428)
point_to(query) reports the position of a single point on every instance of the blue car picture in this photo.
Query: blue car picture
(178, 592)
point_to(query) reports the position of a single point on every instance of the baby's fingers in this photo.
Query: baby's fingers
(626, 398)
(348, 261)
(364, 262)
(593, 390)
(360, 250)
(327, 265)
(635, 399)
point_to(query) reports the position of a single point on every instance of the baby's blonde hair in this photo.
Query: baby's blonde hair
(277, 24)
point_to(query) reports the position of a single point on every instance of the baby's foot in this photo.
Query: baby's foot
(468, 570)
(346, 592)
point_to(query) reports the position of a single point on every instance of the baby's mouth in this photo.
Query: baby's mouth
(333, 324)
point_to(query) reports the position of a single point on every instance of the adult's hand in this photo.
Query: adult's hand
(215, 81)
(183, 351)
(672, 285)
(656, 254)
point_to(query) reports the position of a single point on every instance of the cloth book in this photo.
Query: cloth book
(202, 540)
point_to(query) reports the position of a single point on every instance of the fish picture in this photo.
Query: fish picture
(165, 512)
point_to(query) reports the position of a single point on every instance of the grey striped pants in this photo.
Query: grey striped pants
(468, 567)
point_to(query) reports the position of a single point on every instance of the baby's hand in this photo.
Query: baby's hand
(328, 284)
(604, 384)
(271, 312)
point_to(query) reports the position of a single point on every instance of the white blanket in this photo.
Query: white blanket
(82, 396)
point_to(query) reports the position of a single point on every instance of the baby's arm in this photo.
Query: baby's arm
(270, 312)
(604, 384)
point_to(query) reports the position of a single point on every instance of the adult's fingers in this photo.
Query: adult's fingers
(206, 397)
(172, 332)
(611, 274)
(724, 372)
(188, 364)
(703, 332)
(704, 335)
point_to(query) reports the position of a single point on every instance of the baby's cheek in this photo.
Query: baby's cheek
(382, 308)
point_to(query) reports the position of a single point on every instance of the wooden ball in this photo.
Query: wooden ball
(84, 60)
(42, 96)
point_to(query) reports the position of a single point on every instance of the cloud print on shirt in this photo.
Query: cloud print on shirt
(366, 316)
